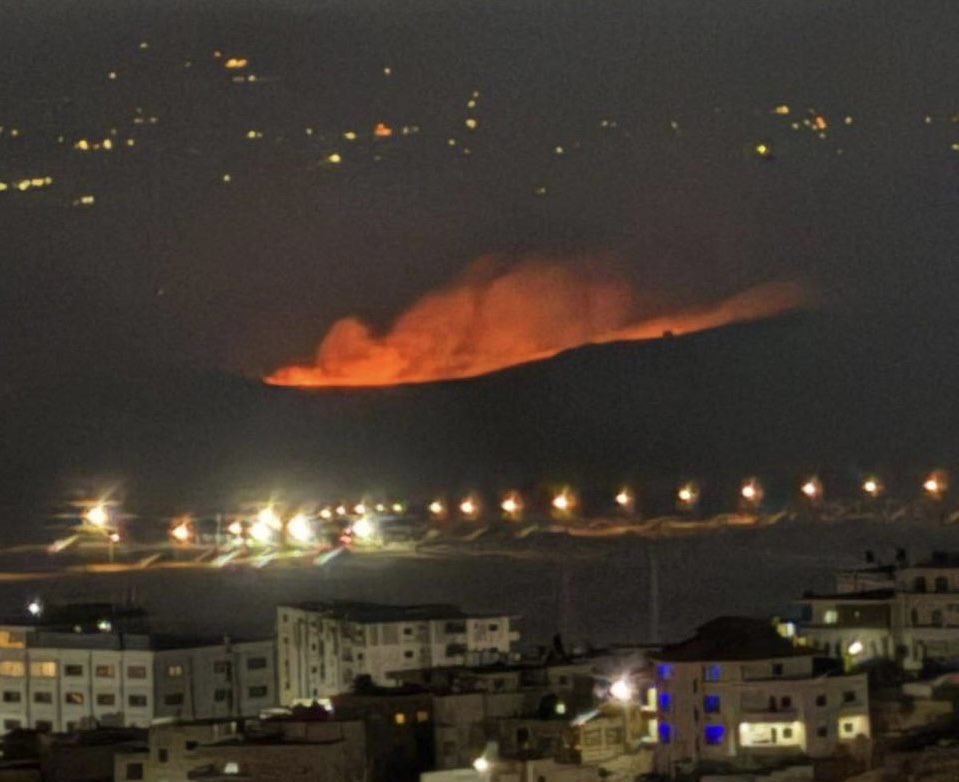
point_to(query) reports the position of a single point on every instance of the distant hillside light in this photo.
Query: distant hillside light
(752, 491)
(812, 488)
(872, 487)
(469, 507)
(437, 508)
(35, 607)
(512, 504)
(625, 498)
(564, 501)
(688, 495)
(935, 485)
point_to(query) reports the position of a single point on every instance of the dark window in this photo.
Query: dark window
(942, 584)
(408, 655)
(786, 702)
(787, 733)
(255, 663)
(73, 670)
(174, 699)
(105, 671)
(563, 681)
(188, 745)
(43, 726)
(11, 696)
(222, 667)
(849, 696)
(937, 618)
(137, 701)
(822, 731)
(777, 669)
(494, 628)
(163, 755)
(820, 700)
(407, 631)
(134, 771)
(43, 697)
(454, 628)
(221, 695)
(522, 736)
(259, 691)
(455, 650)
(11, 724)
(106, 699)
(74, 698)
(712, 704)
(136, 672)
(920, 584)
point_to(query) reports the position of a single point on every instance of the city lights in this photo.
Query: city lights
(688, 495)
(469, 507)
(97, 516)
(299, 528)
(326, 514)
(397, 507)
(872, 487)
(359, 509)
(751, 492)
(512, 504)
(268, 518)
(481, 765)
(35, 607)
(363, 529)
(625, 499)
(935, 485)
(437, 508)
(261, 532)
(235, 528)
(812, 489)
(564, 501)
(182, 530)
(855, 648)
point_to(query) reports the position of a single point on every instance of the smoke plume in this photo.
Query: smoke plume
(492, 317)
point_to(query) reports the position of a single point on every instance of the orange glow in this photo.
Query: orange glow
(236, 63)
(564, 501)
(936, 484)
(812, 489)
(492, 318)
(382, 131)
(512, 504)
(872, 487)
(688, 495)
(752, 492)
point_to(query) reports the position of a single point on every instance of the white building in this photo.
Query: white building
(739, 694)
(908, 613)
(323, 647)
(89, 665)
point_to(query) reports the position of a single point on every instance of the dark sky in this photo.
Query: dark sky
(172, 264)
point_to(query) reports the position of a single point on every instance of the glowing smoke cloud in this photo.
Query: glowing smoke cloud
(491, 318)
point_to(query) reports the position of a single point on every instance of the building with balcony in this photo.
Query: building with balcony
(323, 647)
(738, 694)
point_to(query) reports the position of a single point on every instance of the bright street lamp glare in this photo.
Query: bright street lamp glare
(855, 648)
(299, 528)
(562, 501)
(468, 507)
(261, 532)
(511, 504)
(436, 507)
(363, 529)
(235, 528)
(359, 509)
(482, 765)
(397, 507)
(811, 488)
(97, 516)
(326, 514)
(624, 498)
(181, 532)
(268, 517)
(621, 690)
(871, 486)
(35, 607)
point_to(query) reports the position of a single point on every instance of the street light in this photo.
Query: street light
(625, 499)
(812, 488)
(482, 765)
(35, 608)
(470, 507)
(621, 690)
(688, 495)
(935, 485)
(97, 516)
(752, 492)
(512, 504)
(872, 487)
(299, 528)
(437, 509)
(564, 502)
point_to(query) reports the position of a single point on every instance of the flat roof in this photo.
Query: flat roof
(382, 613)
(732, 639)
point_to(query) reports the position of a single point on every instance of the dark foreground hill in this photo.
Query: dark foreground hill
(810, 392)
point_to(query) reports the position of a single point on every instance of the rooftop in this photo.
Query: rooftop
(869, 595)
(731, 638)
(939, 559)
(376, 613)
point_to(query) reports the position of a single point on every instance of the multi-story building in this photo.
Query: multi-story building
(97, 665)
(323, 647)
(739, 694)
(312, 746)
(907, 613)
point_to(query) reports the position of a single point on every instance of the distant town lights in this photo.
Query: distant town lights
(624, 498)
(35, 607)
(437, 508)
(872, 487)
(512, 504)
(363, 529)
(812, 488)
(752, 491)
(299, 528)
(935, 485)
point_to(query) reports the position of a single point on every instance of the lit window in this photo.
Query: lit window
(715, 734)
(712, 673)
(665, 701)
(712, 704)
(231, 768)
(831, 616)
(174, 671)
(399, 718)
(422, 716)
(12, 668)
(105, 671)
(136, 672)
(74, 698)
(46, 670)
(664, 671)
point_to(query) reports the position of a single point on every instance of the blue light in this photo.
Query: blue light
(712, 704)
(664, 671)
(665, 733)
(715, 734)
(713, 673)
(665, 701)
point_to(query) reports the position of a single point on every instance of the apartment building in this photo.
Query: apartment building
(90, 665)
(323, 647)
(739, 694)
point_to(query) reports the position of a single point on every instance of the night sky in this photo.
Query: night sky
(231, 221)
